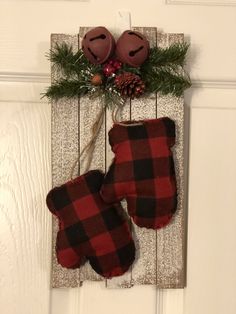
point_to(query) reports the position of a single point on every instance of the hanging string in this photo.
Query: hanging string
(90, 146)
(116, 110)
(114, 114)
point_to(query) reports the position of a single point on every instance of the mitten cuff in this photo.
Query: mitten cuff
(142, 129)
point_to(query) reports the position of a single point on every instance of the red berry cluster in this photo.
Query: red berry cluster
(111, 67)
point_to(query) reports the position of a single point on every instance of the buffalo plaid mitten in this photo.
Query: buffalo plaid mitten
(143, 171)
(89, 228)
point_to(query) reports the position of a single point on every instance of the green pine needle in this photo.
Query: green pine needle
(173, 55)
(66, 88)
(70, 63)
(63, 58)
(167, 82)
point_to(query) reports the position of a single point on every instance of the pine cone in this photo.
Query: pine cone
(129, 85)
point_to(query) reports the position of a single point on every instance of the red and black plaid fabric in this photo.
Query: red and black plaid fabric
(89, 228)
(143, 171)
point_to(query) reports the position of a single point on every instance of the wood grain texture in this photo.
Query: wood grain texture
(25, 224)
(65, 150)
(159, 254)
(171, 239)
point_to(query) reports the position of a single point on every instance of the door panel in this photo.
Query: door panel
(25, 230)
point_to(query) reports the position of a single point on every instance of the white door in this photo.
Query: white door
(25, 178)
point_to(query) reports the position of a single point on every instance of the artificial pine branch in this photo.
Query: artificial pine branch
(167, 82)
(66, 88)
(162, 72)
(74, 88)
(171, 56)
(130, 69)
(69, 62)
(64, 59)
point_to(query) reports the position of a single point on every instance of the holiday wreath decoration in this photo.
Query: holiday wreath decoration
(129, 71)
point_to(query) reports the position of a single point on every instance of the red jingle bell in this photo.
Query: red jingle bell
(132, 48)
(98, 45)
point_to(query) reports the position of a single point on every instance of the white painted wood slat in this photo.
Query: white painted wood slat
(65, 150)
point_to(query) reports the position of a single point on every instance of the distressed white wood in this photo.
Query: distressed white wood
(170, 251)
(65, 150)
